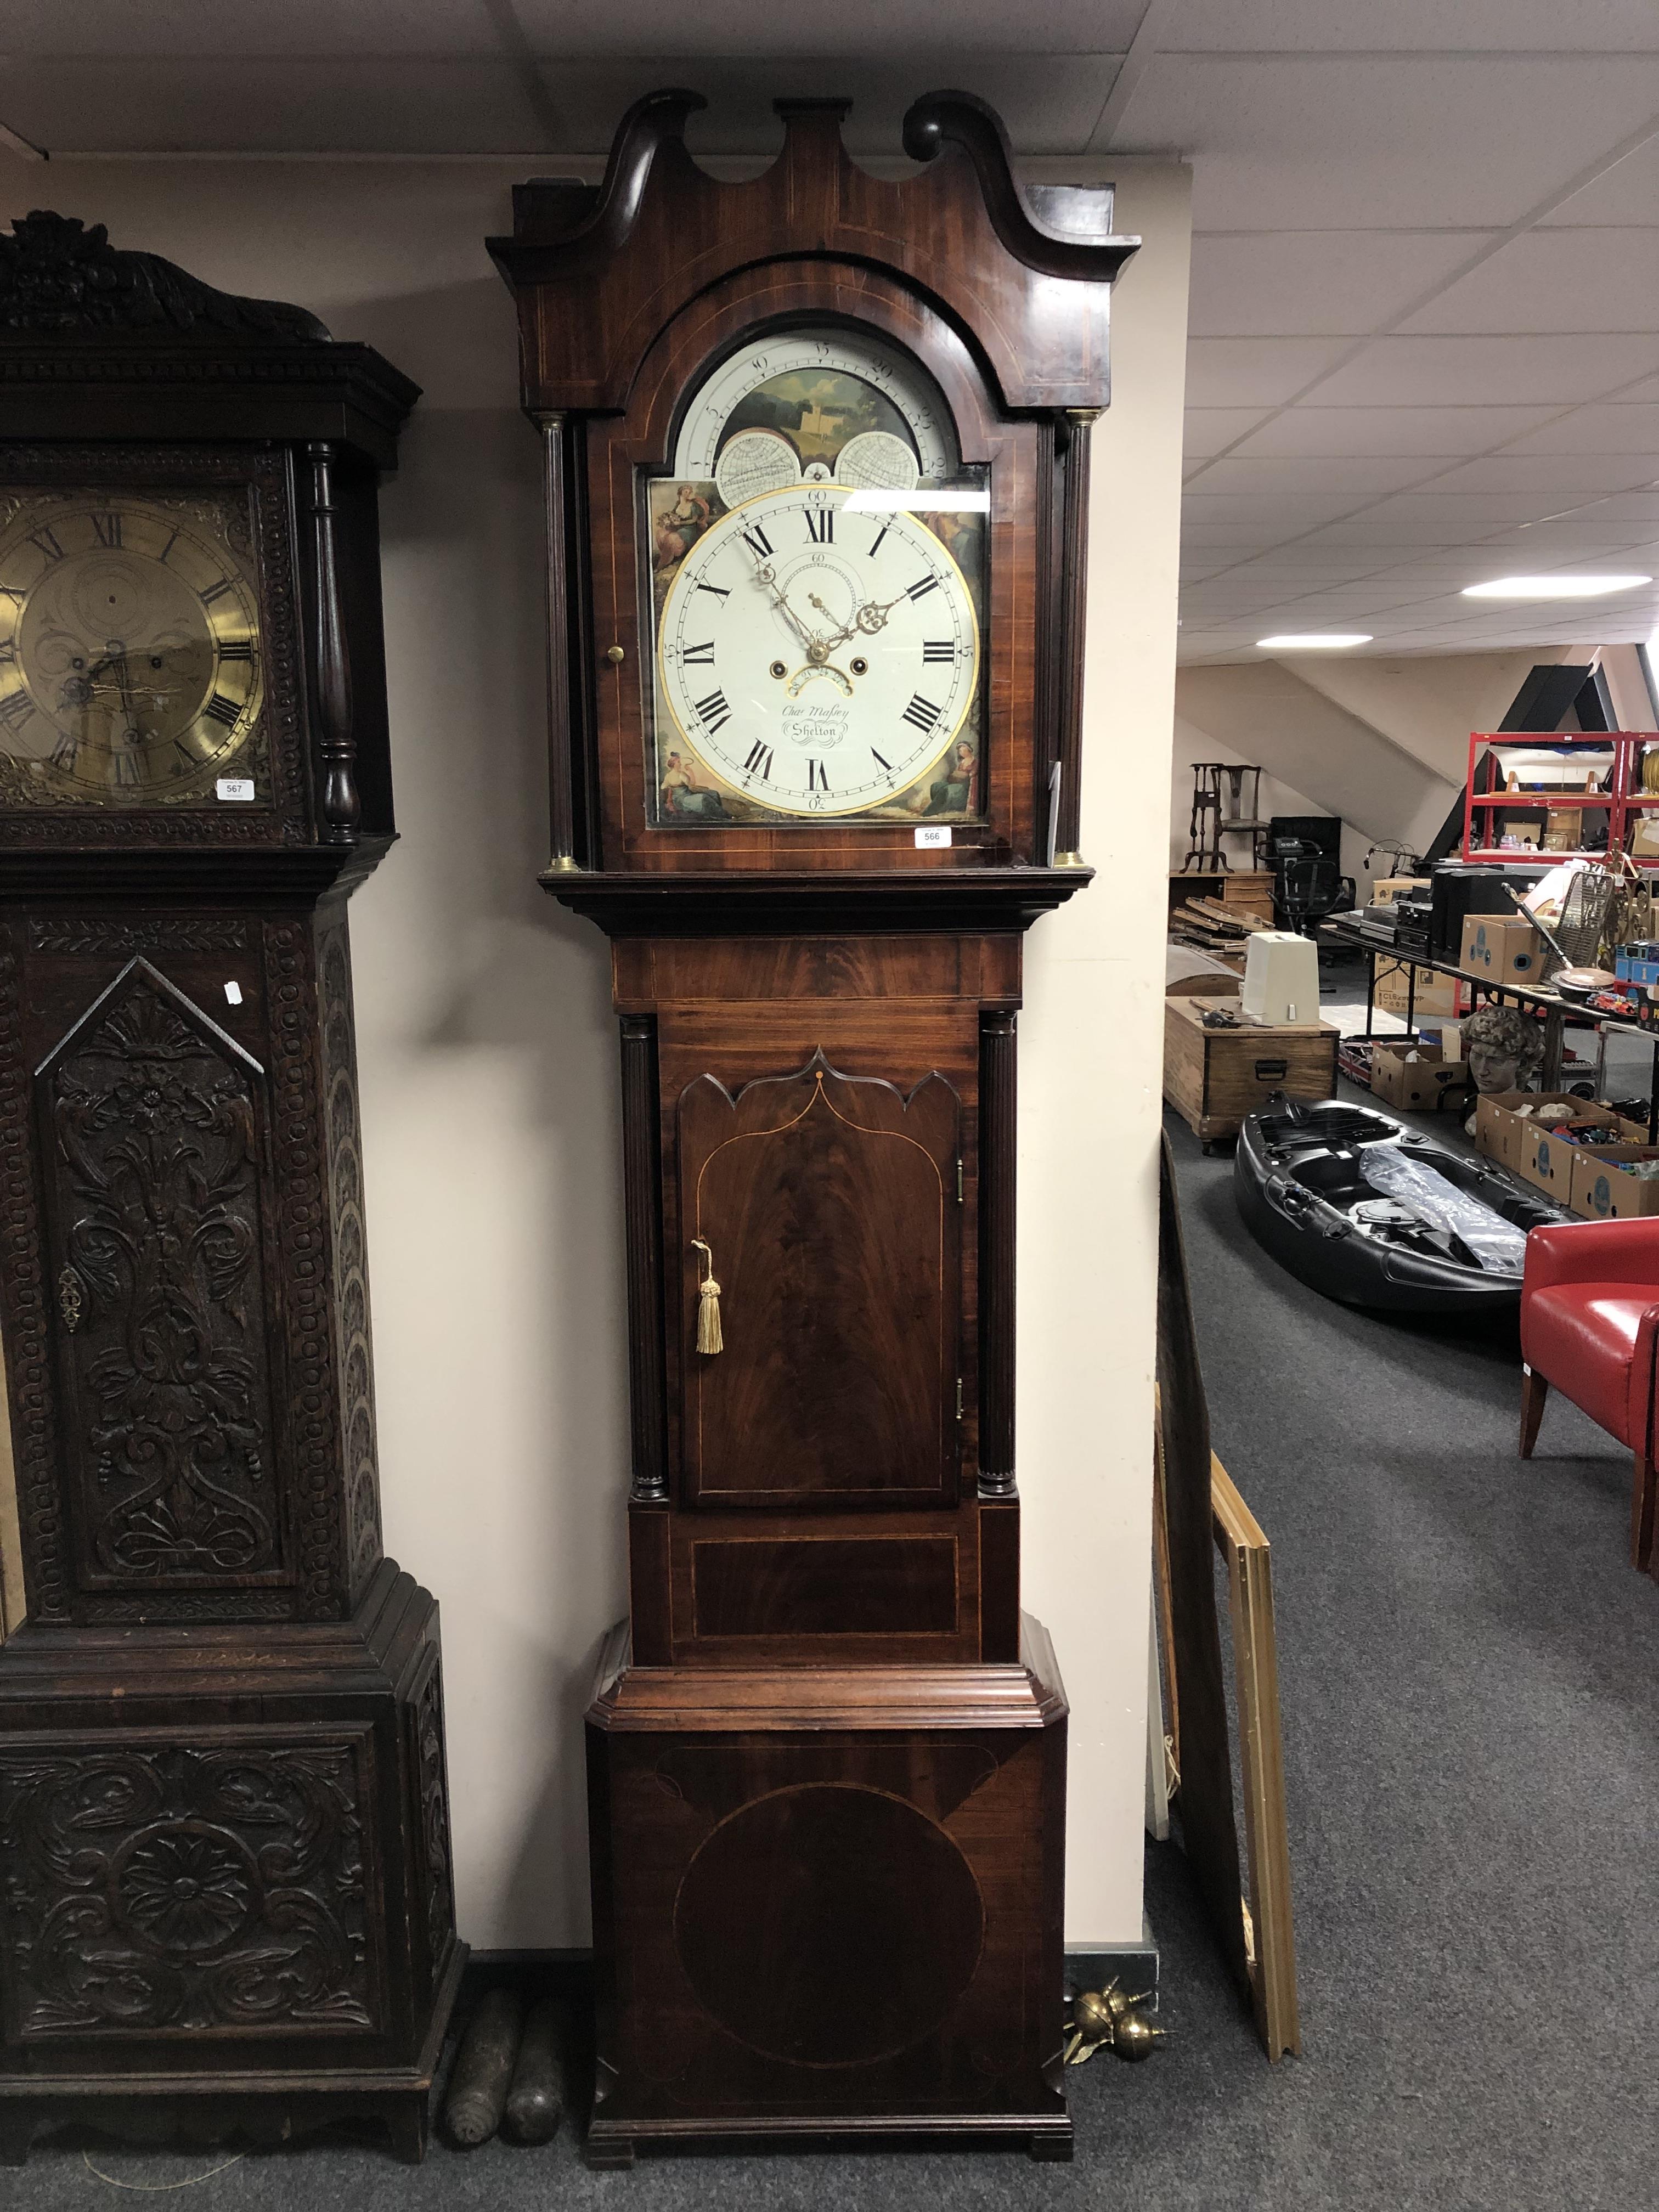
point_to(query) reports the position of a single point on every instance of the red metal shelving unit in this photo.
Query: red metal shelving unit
(1623, 800)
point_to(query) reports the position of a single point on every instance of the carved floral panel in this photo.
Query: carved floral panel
(152, 1141)
(155, 1889)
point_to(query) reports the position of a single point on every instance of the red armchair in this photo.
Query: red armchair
(1590, 1324)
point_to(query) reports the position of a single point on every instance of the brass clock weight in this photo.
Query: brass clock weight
(223, 1818)
(816, 457)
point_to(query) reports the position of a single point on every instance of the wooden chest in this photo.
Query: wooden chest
(1214, 1078)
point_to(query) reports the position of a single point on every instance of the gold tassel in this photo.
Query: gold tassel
(709, 1339)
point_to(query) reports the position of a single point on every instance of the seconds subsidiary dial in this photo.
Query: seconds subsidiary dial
(818, 652)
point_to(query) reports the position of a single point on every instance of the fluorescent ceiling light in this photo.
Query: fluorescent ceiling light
(1322, 641)
(1552, 587)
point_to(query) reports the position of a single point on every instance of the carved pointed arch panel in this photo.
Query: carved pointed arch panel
(830, 1205)
(152, 1132)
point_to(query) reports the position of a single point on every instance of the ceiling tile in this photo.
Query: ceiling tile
(1629, 192)
(424, 104)
(382, 107)
(1242, 538)
(1431, 433)
(1205, 430)
(938, 33)
(1472, 511)
(1048, 102)
(1612, 429)
(1578, 281)
(1398, 535)
(1281, 476)
(1620, 507)
(185, 32)
(1304, 26)
(1313, 142)
(1444, 371)
(1553, 479)
(1314, 284)
(1244, 372)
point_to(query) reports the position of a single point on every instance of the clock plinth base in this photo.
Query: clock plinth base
(228, 1900)
(268, 2113)
(826, 1905)
(614, 2145)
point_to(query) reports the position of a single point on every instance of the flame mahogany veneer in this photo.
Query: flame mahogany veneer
(826, 1755)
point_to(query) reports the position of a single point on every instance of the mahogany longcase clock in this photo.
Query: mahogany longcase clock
(224, 1858)
(817, 468)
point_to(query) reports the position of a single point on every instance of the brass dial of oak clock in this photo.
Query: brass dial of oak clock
(818, 564)
(130, 653)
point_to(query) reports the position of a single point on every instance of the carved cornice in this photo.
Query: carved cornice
(597, 273)
(1080, 251)
(95, 339)
(58, 279)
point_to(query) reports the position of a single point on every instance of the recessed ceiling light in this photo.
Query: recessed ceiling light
(1552, 587)
(1322, 641)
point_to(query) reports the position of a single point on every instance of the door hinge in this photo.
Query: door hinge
(959, 1397)
(959, 1199)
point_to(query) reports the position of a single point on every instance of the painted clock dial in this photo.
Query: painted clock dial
(819, 389)
(130, 653)
(818, 563)
(818, 652)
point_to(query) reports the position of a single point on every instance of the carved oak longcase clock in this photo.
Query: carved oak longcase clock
(224, 1858)
(817, 467)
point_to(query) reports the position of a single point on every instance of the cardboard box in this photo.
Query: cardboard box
(1387, 889)
(1493, 945)
(1548, 1160)
(1500, 1131)
(1499, 1128)
(1436, 993)
(1411, 1075)
(1602, 1190)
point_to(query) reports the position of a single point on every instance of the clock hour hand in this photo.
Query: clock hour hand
(869, 618)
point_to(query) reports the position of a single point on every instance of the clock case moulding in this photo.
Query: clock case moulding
(827, 1750)
(223, 1808)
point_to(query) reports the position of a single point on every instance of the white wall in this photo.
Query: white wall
(488, 1050)
(1091, 1055)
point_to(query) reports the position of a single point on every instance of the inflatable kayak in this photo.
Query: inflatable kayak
(1377, 1215)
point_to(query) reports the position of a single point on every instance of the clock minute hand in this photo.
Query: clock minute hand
(765, 577)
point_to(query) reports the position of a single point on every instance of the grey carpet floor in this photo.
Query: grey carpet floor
(1468, 1667)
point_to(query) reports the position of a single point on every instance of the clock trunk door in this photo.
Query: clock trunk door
(152, 1129)
(829, 1207)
